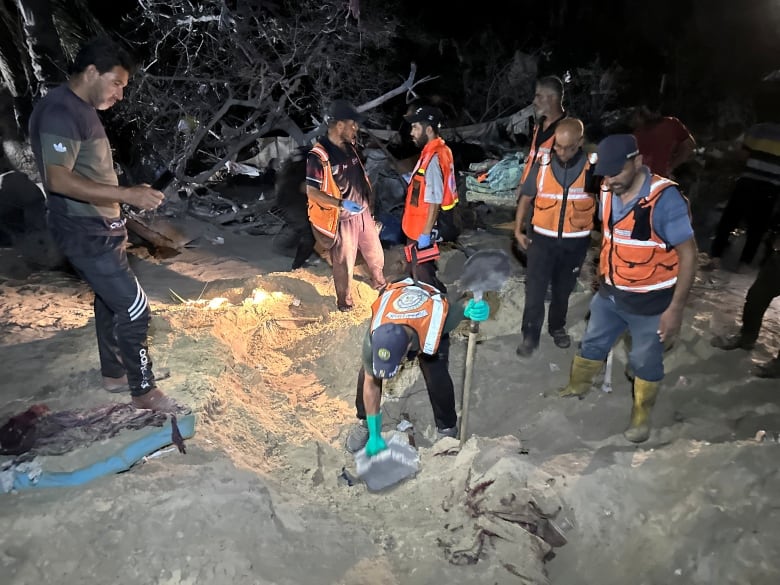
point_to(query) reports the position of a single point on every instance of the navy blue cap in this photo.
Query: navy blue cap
(613, 152)
(390, 344)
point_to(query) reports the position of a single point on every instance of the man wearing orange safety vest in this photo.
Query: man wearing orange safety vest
(341, 202)
(433, 183)
(410, 319)
(647, 267)
(561, 189)
(548, 111)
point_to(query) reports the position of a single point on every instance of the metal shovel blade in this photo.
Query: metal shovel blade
(485, 270)
(396, 463)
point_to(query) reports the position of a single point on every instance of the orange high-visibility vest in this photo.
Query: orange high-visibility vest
(416, 208)
(633, 256)
(416, 304)
(326, 219)
(535, 152)
(562, 213)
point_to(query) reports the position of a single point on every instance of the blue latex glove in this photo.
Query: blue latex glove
(423, 241)
(375, 442)
(351, 206)
(477, 311)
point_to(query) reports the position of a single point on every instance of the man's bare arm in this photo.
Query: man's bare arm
(523, 205)
(321, 197)
(433, 213)
(372, 393)
(671, 319)
(64, 181)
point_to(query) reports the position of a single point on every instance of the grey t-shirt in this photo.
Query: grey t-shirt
(67, 131)
(434, 182)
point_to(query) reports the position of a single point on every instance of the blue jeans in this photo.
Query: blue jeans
(607, 322)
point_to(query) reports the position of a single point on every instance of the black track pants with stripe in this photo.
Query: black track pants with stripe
(122, 312)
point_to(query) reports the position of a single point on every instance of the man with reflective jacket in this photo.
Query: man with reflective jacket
(647, 267)
(410, 319)
(433, 184)
(562, 193)
(341, 202)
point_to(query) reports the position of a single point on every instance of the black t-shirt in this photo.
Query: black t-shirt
(543, 135)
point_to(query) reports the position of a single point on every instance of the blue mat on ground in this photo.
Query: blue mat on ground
(121, 461)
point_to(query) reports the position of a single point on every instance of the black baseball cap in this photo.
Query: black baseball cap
(343, 110)
(427, 114)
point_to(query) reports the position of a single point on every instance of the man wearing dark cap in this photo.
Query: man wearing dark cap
(409, 319)
(341, 202)
(433, 184)
(647, 266)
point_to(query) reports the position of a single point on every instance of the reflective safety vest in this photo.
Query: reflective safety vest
(416, 304)
(416, 208)
(633, 256)
(535, 152)
(325, 219)
(559, 212)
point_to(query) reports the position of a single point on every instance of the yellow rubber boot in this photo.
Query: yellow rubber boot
(644, 399)
(581, 378)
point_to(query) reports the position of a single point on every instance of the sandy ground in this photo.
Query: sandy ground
(546, 490)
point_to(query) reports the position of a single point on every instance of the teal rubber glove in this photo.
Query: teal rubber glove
(375, 441)
(477, 311)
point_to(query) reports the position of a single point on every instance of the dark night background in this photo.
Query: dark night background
(712, 56)
(709, 50)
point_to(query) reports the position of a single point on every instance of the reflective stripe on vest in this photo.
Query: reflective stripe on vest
(556, 214)
(534, 153)
(416, 208)
(420, 306)
(631, 264)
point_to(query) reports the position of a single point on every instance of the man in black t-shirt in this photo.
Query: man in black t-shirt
(341, 203)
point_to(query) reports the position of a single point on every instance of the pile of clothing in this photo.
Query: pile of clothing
(495, 181)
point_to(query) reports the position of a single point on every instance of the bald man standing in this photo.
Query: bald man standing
(561, 189)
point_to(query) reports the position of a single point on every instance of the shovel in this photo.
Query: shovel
(486, 270)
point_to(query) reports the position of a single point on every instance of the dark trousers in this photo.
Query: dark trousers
(305, 246)
(122, 312)
(441, 392)
(760, 295)
(555, 263)
(753, 201)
